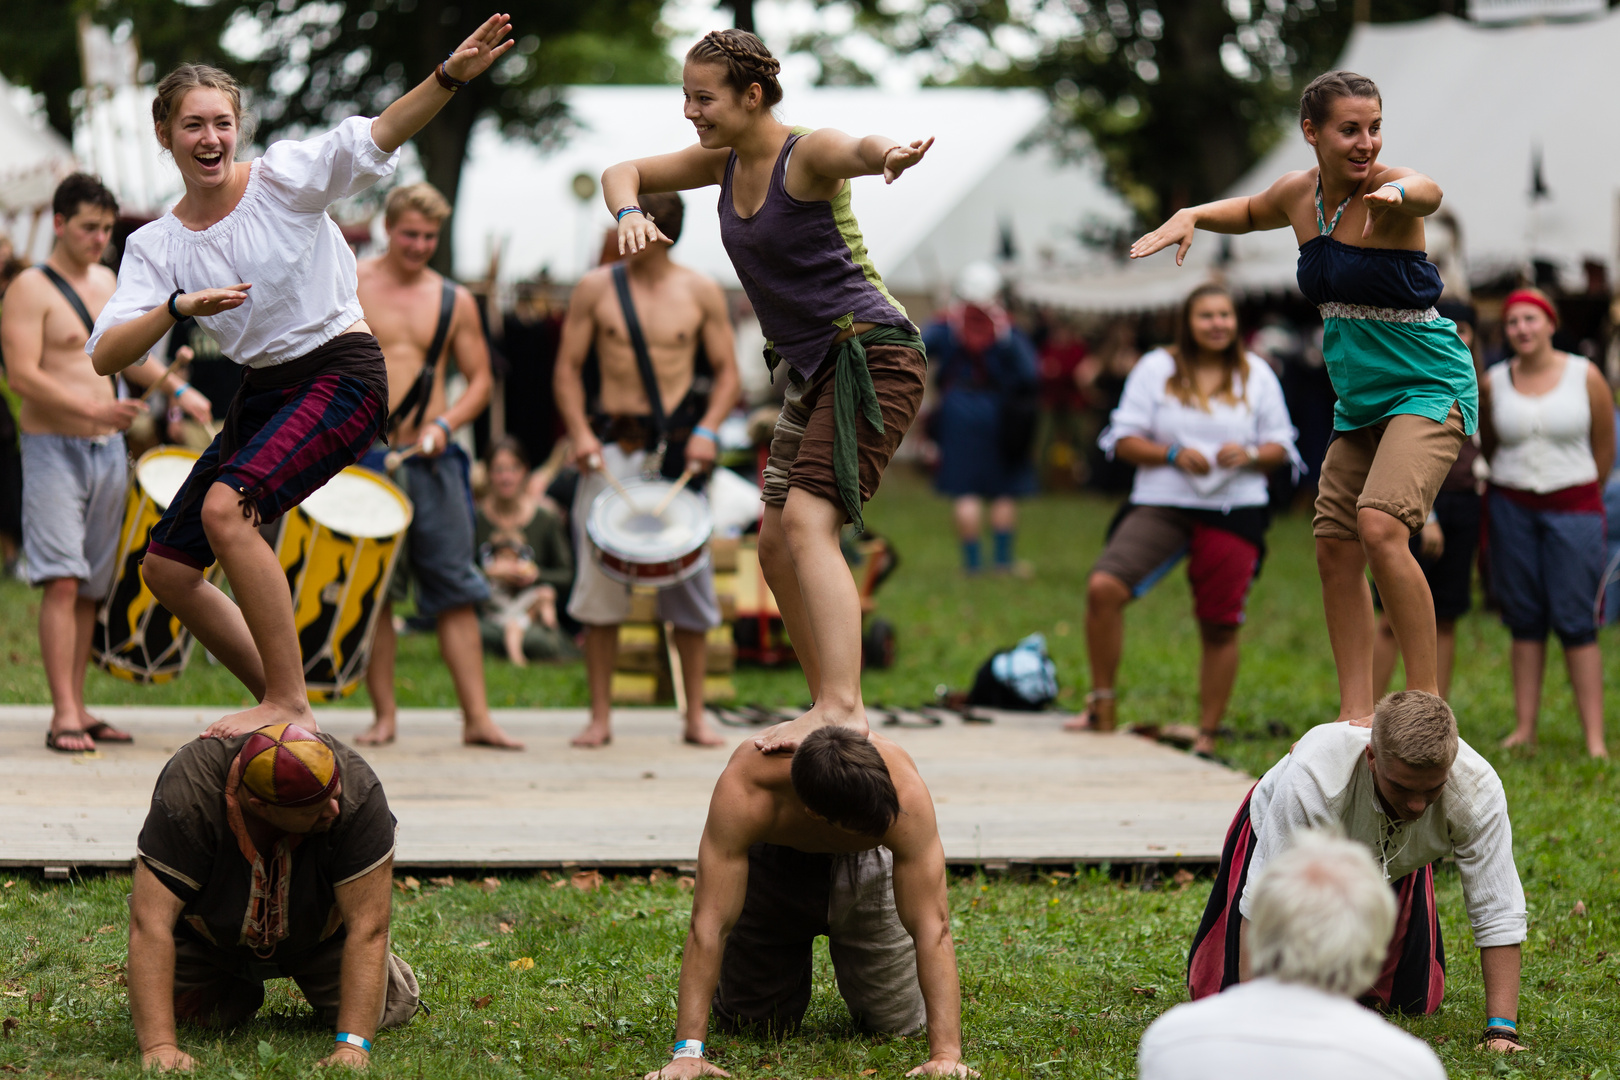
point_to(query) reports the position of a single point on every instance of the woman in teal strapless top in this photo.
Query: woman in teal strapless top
(1406, 385)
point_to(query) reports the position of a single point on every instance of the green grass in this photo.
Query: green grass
(1060, 976)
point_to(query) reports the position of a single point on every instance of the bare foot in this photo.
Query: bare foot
(513, 635)
(784, 737)
(698, 733)
(596, 733)
(1526, 739)
(1598, 751)
(380, 733)
(485, 733)
(261, 715)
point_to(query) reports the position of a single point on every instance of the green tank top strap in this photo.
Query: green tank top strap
(1322, 226)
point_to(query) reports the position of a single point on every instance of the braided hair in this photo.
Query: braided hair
(745, 59)
(1319, 96)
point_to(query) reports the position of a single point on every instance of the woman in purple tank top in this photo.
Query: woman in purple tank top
(856, 364)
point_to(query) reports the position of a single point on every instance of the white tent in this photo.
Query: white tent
(1471, 106)
(979, 180)
(35, 159)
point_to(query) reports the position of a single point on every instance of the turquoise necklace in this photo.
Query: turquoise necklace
(1322, 226)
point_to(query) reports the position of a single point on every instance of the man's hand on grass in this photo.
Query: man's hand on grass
(167, 1057)
(686, 1068)
(943, 1065)
(346, 1056)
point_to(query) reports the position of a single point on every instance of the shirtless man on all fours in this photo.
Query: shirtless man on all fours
(677, 309)
(403, 300)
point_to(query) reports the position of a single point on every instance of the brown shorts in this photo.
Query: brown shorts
(802, 445)
(221, 988)
(1396, 465)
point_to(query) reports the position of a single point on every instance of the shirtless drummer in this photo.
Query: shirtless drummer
(403, 302)
(75, 468)
(677, 308)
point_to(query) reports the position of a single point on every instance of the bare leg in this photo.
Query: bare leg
(462, 647)
(693, 647)
(601, 650)
(209, 614)
(58, 648)
(968, 514)
(1386, 651)
(1004, 515)
(1106, 597)
(266, 604)
(512, 635)
(1445, 644)
(380, 681)
(1405, 591)
(1347, 604)
(1585, 664)
(777, 563)
(1217, 673)
(832, 607)
(1529, 660)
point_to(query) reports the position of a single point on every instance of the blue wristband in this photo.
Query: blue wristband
(687, 1048)
(348, 1038)
(182, 388)
(704, 432)
(629, 210)
(1397, 187)
(441, 422)
(1170, 454)
(1501, 1021)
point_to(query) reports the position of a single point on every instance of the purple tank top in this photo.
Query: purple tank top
(804, 266)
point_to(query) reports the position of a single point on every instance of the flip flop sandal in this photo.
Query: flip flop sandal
(51, 743)
(747, 716)
(905, 718)
(101, 731)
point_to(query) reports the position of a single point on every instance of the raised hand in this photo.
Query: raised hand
(900, 158)
(482, 49)
(636, 231)
(212, 301)
(1380, 201)
(1178, 231)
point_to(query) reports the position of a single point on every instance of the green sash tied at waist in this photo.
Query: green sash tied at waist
(853, 392)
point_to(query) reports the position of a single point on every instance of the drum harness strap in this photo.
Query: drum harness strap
(649, 378)
(71, 294)
(421, 391)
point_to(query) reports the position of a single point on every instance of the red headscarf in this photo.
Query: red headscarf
(1527, 296)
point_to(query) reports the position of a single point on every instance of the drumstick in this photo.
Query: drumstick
(669, 496)
(393, 458)
(596, 463)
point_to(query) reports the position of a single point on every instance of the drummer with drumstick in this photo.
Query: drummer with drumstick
(675, 309)
(423, 322)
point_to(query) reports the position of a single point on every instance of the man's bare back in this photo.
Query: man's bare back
(43, 334)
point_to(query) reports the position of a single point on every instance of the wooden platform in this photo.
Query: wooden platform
(1012, 791)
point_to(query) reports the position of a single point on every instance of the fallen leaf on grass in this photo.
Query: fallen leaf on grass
(39, 995)
(868, 1072)
(1145, 991)
(481, 1002)
(552, 1008)
(87, 937)
(559, 884)
(1183, 877)
(1580, 909)
(505, 927)
(522, 963)
(586, 880)
(656, 876)
(489, 884)
(17, 1069)
(11, 1024)
(685, 884)
(109, 928)
(8, 884)
(483, 944)
(446, 882)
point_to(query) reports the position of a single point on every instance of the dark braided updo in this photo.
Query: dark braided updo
(745, 59)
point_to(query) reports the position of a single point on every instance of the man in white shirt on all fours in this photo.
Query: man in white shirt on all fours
(1412, 792)
(1321, 918)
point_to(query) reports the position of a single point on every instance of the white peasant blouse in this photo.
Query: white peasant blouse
(279, 239)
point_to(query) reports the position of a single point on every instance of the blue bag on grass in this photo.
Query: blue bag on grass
(1022, 677)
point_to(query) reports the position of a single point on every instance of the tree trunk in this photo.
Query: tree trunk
(742, 14)
(442, 146)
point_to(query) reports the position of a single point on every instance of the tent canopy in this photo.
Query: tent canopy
(984, 177)
(35, 159)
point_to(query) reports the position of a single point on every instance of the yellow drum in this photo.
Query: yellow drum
(135, 637)
(338, 550)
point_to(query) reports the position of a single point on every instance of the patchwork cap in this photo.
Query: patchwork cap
(288, 766)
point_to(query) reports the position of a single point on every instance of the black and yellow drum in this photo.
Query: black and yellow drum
(135, 637)
(338, 550)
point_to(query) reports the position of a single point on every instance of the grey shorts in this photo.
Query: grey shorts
(441, 552)
(73, 508)
(598, 600)
(794, 897)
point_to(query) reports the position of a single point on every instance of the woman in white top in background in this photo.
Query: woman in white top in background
(1547, 427)
(1203, 422)
(251, 252)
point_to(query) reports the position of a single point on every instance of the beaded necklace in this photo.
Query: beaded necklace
(1322, 226)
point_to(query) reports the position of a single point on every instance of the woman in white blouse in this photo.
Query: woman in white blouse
(250, 251)
(1203, 422)
(1547, 428)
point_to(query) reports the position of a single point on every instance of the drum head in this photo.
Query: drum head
(630, 532)
(359, 503)
(162, 470)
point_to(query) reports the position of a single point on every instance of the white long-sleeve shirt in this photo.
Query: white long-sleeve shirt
(279, 239)
(1325, 781)
(1148, 410)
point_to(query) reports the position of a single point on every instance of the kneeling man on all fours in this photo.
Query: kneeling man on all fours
(838, 839)
(1414, 793)
(265, 856)
(1323, 916)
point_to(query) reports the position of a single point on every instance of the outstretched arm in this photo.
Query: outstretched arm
(829, 154)
(411, 113)
(1247, 213)
(624, 184)
(1403, 192)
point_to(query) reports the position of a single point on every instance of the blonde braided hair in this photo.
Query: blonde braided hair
(745, 59)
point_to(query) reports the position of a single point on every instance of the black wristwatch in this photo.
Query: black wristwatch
(174, 312)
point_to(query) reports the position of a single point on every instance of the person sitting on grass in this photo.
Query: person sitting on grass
(265, 856)
(1414, 793)
(838, 839)
(523, 550)
(1322, 920)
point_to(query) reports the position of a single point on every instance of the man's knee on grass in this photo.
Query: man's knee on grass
(841, 778)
